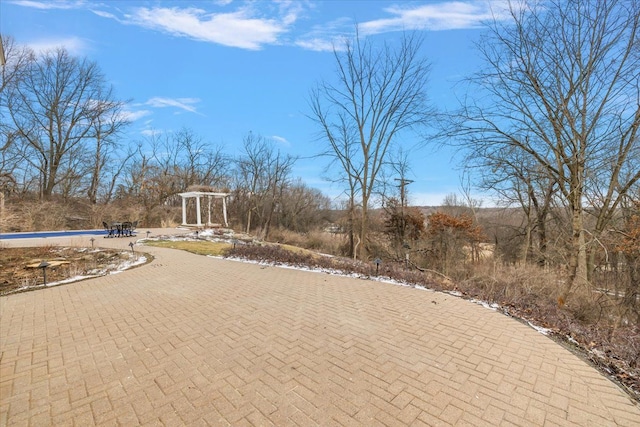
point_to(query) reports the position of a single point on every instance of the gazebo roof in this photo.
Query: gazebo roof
(203, 193)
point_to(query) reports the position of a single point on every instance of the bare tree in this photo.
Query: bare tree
(303, 208)
(107, 124)
(379, 93)
(54, 110)
(262, 175)
(165, 164)
(144, 181)
(15, 61)
(519, 181)
(563, 84)
(199, 163)
(115, 172)
(350, 173)
(396, 197)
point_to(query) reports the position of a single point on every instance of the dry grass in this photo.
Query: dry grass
(318, 241)
(27, 213)
(200, 247)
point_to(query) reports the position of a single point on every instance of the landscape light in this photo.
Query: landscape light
(43, 265)
(377, 261)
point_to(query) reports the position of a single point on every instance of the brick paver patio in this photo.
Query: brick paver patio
(191, 340)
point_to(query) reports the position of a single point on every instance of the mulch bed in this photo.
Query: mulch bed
(19, 271)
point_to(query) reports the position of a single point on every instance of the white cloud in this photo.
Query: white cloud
(323, 38)
(150, 132)
(318, 44)
(450, 15)
(74, 45)
(56, 4)
(280, 140)
(445, 15)
(186, 104)
(290, 10)
(242, 28)
(104, 14)
(135, 115)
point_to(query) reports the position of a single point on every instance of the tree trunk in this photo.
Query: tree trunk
(363, 230)
(578, 255)
(528, 244)
(542, 239)
(249, 221)
(92, 192)
(351, 226)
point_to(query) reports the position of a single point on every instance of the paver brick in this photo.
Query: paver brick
(191, 340)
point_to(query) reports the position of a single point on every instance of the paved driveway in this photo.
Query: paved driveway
(191, 340)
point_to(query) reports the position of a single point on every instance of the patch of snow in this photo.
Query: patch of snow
(315, 270)
(111, 269)
(543, 331)
(138, 261)
(485, 304)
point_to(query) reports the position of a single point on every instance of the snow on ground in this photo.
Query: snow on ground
(110, 269)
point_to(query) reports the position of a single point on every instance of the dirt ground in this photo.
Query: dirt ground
(19, 271)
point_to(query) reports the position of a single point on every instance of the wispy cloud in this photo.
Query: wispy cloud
(328, 36)
(317, 44)
(432, 16)
(449, 15)
(74, 45)
(243, 28)
(186, 104)
(247, 24)
(280, 140)
(135, 115)
(150, 132)
(45, 5)
(104, 14)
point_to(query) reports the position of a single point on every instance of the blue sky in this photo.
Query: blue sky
(224, 68)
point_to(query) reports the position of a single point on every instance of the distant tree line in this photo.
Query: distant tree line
(61, 134)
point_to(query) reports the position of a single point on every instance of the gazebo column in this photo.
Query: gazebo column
(224, 210)
(184, 210)
(211, 203)
(209, 211)
(198, 214)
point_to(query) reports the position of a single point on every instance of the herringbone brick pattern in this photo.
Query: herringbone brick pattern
(191, 340)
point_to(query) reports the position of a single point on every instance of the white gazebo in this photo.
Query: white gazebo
(210, 197)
